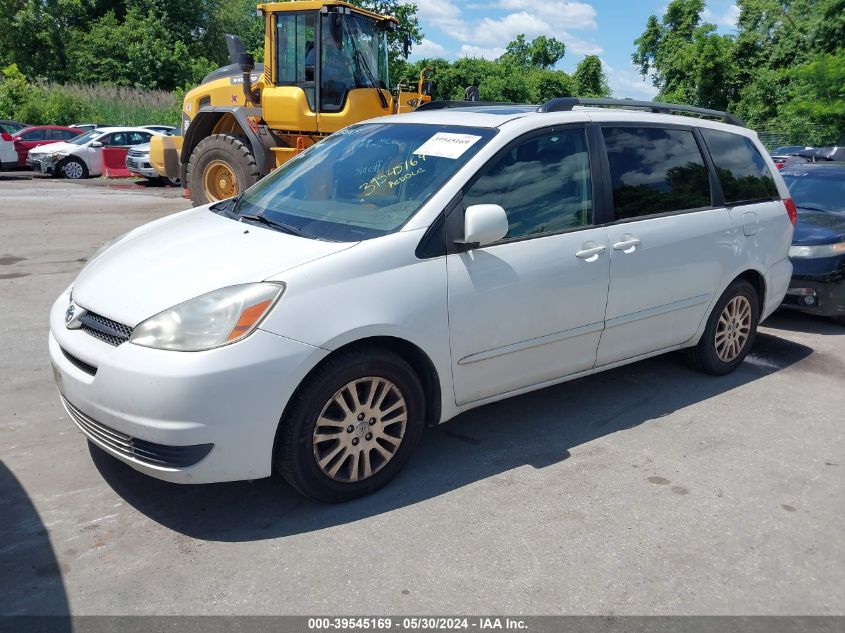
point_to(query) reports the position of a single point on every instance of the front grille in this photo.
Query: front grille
(134, 153)
(104, 329)
(141, 450)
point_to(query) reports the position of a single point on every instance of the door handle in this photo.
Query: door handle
(628, 244)
(590, 251)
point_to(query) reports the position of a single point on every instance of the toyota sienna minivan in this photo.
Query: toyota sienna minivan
(412, 267)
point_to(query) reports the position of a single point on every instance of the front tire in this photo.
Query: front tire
(221, 166)
(74, 169)
(351, 426)
(730, 331)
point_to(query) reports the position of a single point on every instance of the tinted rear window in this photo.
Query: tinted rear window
(741, 169)
(655, 170)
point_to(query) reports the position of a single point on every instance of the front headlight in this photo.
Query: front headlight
(820, 250)
(216, 318)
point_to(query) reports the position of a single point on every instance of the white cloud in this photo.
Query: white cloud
(468, 50)
(491, 31)
(573, 15)
(628, 83)
(581, 47)
(553, 19)
(428, 48)
(727, 19)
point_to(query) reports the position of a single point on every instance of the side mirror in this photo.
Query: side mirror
(96, 144)
(406, 45)
(484, 224)
(246, 62)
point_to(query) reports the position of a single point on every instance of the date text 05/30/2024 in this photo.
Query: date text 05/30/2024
(417, 624)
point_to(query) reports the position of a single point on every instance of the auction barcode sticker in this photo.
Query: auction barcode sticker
(447, 145)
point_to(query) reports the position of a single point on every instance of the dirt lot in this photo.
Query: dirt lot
(648, 489)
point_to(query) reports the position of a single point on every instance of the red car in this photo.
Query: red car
(36, 135)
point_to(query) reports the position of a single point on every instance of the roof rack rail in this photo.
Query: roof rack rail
(564, 104)
(442, 105)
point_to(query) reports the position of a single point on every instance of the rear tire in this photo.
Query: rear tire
(385, 410)
(730, 331)
(74, 169)
(221, 166)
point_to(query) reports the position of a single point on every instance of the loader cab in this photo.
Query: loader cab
(329, 65)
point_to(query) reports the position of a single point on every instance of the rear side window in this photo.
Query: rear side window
(655, 170)
(34, 135)
(740, 167)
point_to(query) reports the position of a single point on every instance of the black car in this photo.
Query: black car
(818, 244)
(812, 155)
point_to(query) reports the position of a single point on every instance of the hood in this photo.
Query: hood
(183, 256)
(52, 148)
(819, 227)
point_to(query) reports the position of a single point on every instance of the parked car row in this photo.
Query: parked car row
(18, 140)
(82, 156)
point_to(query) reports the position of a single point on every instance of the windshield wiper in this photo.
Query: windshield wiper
(802, 206)
(228, 206)
(263, 219)
(362, 64)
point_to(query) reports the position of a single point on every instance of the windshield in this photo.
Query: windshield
(364, 181)
(821, 191)
(354, 55)
(84, 138)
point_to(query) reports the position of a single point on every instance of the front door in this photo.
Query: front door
(530, 308)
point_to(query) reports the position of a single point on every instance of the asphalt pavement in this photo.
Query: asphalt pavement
(648, 489)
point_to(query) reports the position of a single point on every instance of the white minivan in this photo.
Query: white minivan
(412, 267)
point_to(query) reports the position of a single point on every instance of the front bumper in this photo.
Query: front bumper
(141, 167)
(42, 164)
(816, 297)
(817, 286)
(185, 417)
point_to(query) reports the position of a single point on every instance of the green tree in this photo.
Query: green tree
(590, 78)
(688, 61)
(815, 110)
(541, 52)
(148, 57)
(519, 75)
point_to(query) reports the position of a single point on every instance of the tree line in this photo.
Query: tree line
(524, 73)
(783, 70)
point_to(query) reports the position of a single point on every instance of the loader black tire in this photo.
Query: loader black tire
(221, 166)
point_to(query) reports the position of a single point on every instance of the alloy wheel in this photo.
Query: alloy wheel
(733, 329)
(360, 429)
(73, 170)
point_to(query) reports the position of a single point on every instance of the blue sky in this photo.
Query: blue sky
(607, 28)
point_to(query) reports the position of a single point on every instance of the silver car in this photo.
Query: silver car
(138, 164)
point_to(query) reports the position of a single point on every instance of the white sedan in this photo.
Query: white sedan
(82, 156)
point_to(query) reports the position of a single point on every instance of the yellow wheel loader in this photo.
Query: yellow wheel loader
(325, 68)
